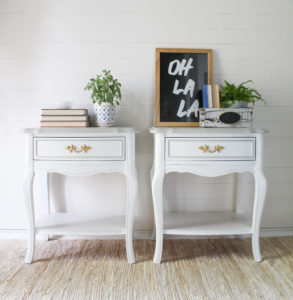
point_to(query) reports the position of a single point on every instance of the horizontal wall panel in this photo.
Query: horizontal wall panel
(270, 7)
(91, 6)
(91, 50)
(50, 49)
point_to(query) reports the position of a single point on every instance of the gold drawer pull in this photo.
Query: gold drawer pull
(205, 148)
(72, 148)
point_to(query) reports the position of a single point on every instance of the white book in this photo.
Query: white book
(73, 112)
(210, 96)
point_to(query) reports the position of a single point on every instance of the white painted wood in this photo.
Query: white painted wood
(79, 132)
(203, 223)
(210, 117)
(259, 199)
(132, 190)
(206, 132)
(122, 142)
(29, 201)
(101, 149)
(81, 224)
(188, 149)
(207, 223)
(157, 177)
(28, 196)
(145, 234)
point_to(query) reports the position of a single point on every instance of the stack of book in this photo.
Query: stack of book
(64, 118)
(211, 97)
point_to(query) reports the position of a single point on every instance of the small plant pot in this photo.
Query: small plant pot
(104, 114)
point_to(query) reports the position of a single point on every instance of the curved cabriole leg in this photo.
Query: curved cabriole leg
(259, 200)
(29, 205)
(131, 197)
(153, 238)
(157, 191)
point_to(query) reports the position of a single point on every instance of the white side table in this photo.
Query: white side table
(80, 152)
(208, 152)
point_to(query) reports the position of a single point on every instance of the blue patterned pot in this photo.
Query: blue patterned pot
(104, 114)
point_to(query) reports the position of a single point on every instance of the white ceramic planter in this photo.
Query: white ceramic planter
(104, 114)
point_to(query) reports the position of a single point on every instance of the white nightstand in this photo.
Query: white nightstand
(80, 152)
(208, 152)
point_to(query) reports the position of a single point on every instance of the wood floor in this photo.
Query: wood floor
(191, 269)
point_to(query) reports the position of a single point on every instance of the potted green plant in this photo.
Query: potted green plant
(235, 96)
(105, 95)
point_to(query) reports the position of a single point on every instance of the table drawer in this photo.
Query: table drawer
(210, 149)
(79, 148)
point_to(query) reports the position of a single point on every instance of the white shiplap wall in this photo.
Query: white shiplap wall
(50, 48)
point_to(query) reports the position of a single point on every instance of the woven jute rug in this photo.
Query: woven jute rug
(191, 269)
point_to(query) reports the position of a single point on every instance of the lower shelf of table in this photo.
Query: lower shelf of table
(207, 223)
(80, 224)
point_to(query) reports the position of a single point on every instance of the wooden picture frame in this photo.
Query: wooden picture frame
(180, 75)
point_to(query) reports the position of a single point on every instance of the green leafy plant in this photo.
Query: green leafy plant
(230, 93)
(104, 88)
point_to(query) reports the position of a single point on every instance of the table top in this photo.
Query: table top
(206, 131)
(87, 131)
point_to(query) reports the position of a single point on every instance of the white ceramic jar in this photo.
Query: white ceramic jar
(104, 114)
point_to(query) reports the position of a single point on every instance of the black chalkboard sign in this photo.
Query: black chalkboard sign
(180, 76)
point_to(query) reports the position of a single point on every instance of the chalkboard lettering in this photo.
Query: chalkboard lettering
(181, 74)
(193, 109)
(189, 87)
(180, 67)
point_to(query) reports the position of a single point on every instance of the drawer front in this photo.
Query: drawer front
(210, 149)
(79, 148)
